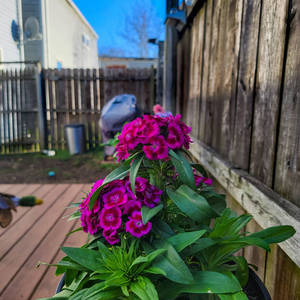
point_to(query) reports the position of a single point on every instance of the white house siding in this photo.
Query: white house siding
(8, 13)
(65, 30)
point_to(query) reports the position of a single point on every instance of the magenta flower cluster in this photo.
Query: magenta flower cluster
(117, 209)
(155, 135)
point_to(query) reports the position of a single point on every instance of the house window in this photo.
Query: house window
(85, 40)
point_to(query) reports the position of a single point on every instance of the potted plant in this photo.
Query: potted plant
(157, 228)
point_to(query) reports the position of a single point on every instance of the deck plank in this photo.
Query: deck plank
(21, 211)
(49, 282)
(18, 255)
(47, 286)
(17, 232)
(22, 288)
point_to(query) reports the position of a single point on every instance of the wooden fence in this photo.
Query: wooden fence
(238, 87)
(19, 120)
(35, 107)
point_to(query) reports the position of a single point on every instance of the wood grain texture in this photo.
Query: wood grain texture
(20, 287)
(17, 231)
(287, 175)
(18, 255)
(282, 277)
(268, 84)
(199, 70)
(19, 190)
(208, 13)
(212, 75)
(255, 255)
(242, 126)
(266, 206)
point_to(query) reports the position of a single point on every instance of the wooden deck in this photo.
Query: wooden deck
(36, 234)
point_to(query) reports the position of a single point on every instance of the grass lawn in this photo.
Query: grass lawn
(34, 167)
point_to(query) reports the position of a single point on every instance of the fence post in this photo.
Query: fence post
(41, 100)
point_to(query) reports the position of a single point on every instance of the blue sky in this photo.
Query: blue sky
(107, 17)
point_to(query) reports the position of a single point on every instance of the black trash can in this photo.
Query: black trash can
(75, 136)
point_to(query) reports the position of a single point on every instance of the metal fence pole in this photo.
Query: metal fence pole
(41, 100)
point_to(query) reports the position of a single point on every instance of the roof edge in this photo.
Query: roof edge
(82, 17)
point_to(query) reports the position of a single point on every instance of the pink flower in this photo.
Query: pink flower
(175, 138)
(90, 222)
(136, 227)
(148, 129)
(111, 236)
(158, 148)
(115, 197)
(122, 151)
(131, 206)
(151, 196)
(201, 179)
(110, 218)
(141, 184)
(158, 109)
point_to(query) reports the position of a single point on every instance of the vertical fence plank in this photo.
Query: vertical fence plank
(268, 84)
(212, 76)
(287, 174)
(193, 74)
(253, 254)
(199, 63)
(6, 113)
(97, 105)
(282, 277)
(206, 70)
(241, 136)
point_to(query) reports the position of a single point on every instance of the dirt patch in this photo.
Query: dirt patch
(38, 168)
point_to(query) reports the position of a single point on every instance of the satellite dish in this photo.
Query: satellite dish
(32, 29)
(15, 31)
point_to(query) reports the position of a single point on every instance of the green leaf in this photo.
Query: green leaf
(172, 264)
(275, 234)
(134, 170)
(199, 246)
(155, 270)
(227, 225)
(149, 258)
(200, 169)
(182, 240)
(216, 201)
(104, 251)
(192, 204)
(242, 272)
(235, 296)
(78, 295)
(75, 215)
(206, 282)
(162, 229)
(118, 173)
(144, 289)
(90, 259)
(149, 213)
(75, 230)
(70, 276)
(125, 290)
(218, 253)
(183, 168)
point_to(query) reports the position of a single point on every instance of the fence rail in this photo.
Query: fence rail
(35, 106)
